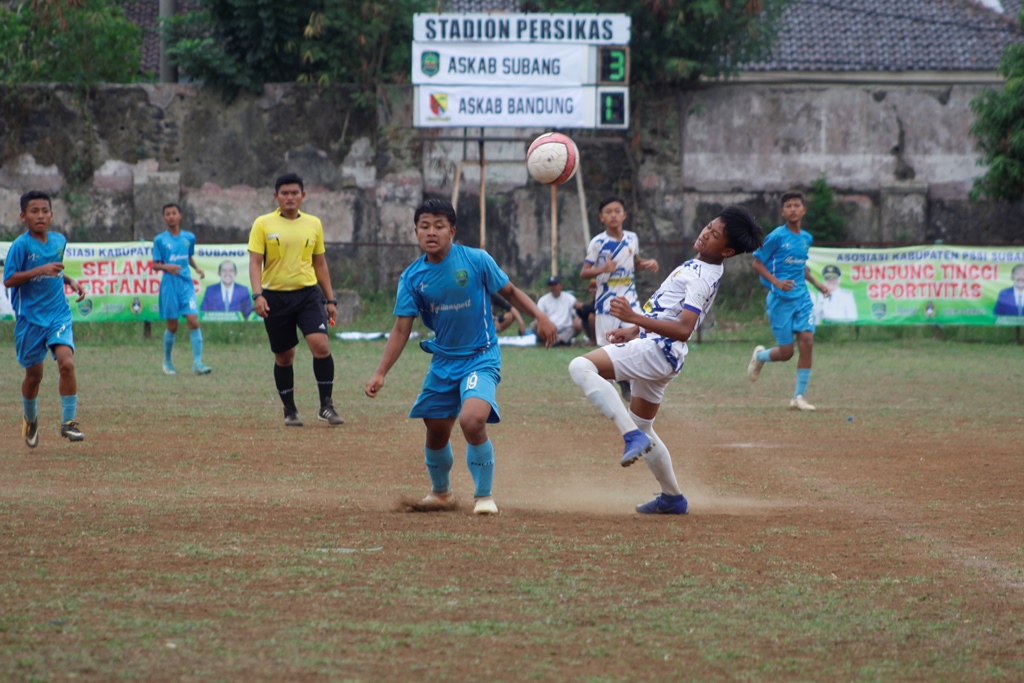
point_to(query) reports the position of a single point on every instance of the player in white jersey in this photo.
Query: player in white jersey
(651, 351)
(613, 257)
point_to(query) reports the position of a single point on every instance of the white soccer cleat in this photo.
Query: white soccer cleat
(438, 499)
(755, 365)
(485, 506)
(800, 403)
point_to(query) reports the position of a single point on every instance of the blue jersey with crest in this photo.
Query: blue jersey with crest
(41, 300)
(454, 300)
(175, 251)
(784, 254)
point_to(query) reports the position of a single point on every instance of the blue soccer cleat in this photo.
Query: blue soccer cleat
(665, 504)
(637, 443)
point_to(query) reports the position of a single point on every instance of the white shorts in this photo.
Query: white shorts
(642, 361)
(605, 323)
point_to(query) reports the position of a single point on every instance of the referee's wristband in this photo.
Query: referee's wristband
(331, 301)
(257, 295)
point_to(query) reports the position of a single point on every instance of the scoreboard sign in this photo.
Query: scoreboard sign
(521, 70)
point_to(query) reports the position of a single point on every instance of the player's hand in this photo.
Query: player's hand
(375, 384)
(648, 264)
(201, 272)
(76, 286)
(332, 314)
(547, 331)
(786, 285)
(621, 309)
(824, 291)
(172, 269)
(618, 336)
(51, 269)
(260, 307)
(610, 266)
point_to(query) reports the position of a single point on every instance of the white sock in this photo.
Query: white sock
(658, 460)
(600, 393)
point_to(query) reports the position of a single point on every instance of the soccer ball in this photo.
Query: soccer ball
(552, 159)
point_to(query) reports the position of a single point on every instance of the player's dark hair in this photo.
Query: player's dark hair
(793, 194)
(437, 207)
(611, 200)
(289, 179)
(743, 231)
(167, 206)
(34, 194)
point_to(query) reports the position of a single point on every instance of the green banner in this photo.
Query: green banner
(120, 283)
(923, 285)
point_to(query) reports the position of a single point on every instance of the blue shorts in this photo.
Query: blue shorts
(450, 382)
(789, 316)
(177, 298)
(32, 341)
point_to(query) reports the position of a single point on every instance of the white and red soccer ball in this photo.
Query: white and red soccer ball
(552, 159)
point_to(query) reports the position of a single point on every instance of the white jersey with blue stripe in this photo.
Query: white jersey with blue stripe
(691, 287)
(453, 298)
(602, 249)
(40, 301)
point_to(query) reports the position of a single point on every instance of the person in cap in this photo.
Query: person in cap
(560, 307)
(839, 305)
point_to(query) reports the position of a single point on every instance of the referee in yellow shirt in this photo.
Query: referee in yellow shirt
(290, 285)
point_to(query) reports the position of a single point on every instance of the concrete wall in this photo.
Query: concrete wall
(900, 157)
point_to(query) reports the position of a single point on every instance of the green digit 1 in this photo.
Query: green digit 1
(609, 113)
(617, 67)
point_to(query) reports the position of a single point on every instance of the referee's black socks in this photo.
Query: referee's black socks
(323, 370)
(284, 378)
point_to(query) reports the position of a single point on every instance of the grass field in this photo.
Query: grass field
(192, 537)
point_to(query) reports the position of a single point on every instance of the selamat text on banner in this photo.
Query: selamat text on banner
(120, 283)
(922, 285)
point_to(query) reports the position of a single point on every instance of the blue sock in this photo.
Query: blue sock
(764, 355)
(168, 345)
(803, 376)
(31, 406)
(439, 467)
(480, 460)
(69, 406)
(196, 337)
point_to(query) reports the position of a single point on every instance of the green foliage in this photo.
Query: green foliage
(235, 45)
(68, 41)
(999, 129)
(822, 219)
(365, 43)
(677, 42)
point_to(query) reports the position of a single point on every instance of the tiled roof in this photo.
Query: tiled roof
(881, 35)
(815, 35)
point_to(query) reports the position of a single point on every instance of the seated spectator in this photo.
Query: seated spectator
(560, 307)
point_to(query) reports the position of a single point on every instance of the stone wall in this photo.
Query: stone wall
(900, 157)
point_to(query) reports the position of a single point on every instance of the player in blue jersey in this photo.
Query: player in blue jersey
(782, 264)
(651, 349)
(34, 274)
(173, 253)
(450, 288)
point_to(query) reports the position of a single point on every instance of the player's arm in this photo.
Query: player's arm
(646, 264)
(192, 262)
(546, 329)
(519, 320)
(673, 329)
(591, 270)
(397, 340)
(323, 278)
(259, 302)
(22, 276)
(817, 285)
(762, 270)
(75, 287)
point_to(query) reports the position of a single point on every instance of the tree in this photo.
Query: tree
(822, 219)
(678, 42)
(68, 41)
(999, 129)
(235, 45)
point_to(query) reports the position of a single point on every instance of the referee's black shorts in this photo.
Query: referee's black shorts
(302, 308)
